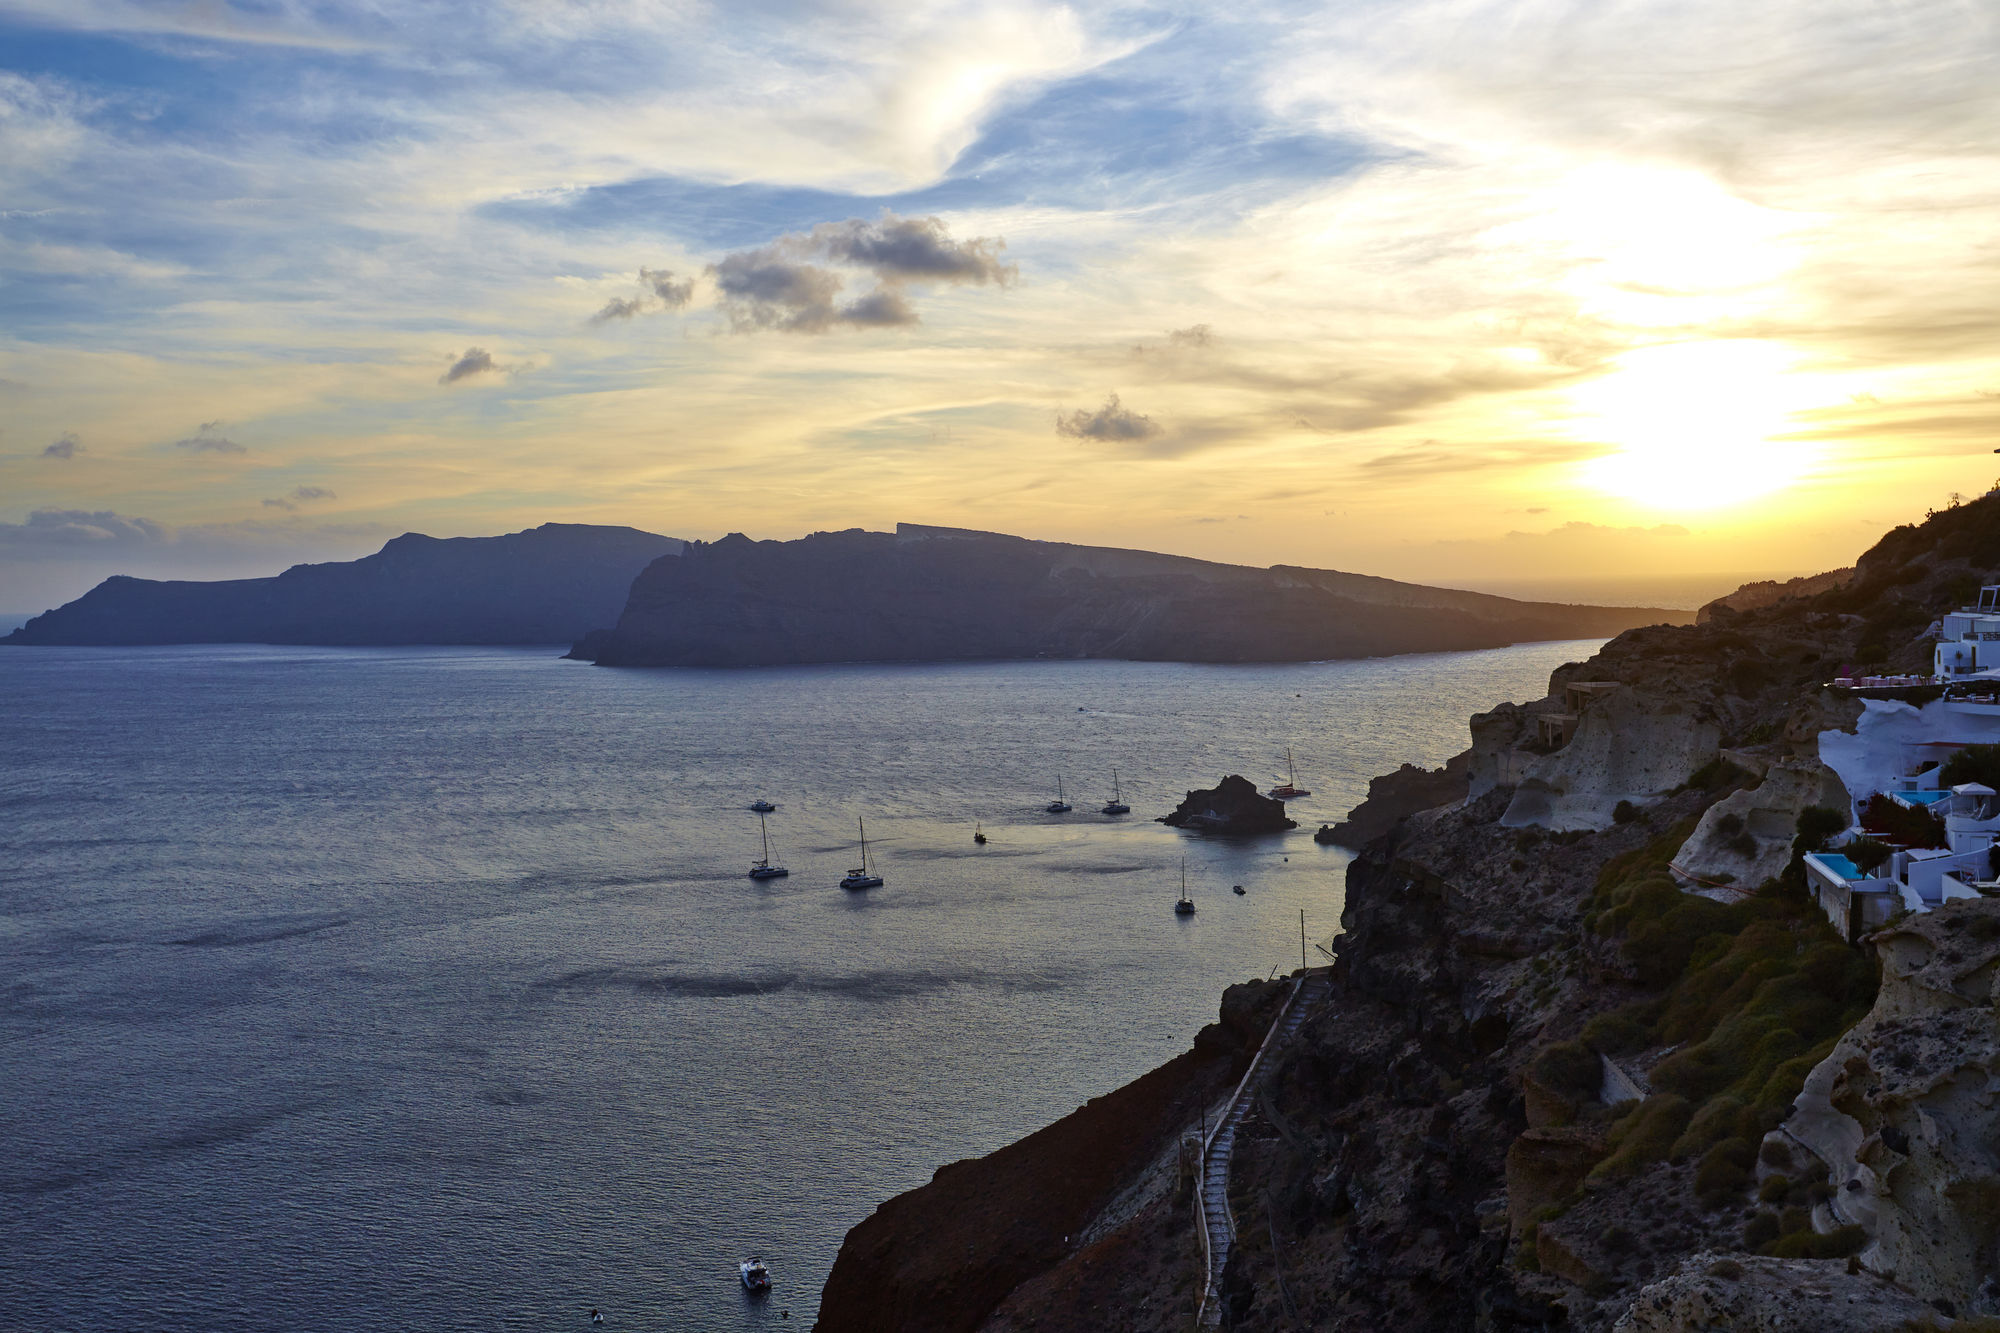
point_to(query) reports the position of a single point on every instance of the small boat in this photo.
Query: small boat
(755, 1276)
(762, 806)
(1116, 805)
(763, 869)
(1058, 806)
(1288, 790)
(979, 834)
(859, 877)
(1183, 905)
(1238, 890)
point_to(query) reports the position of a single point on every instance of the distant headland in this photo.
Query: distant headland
(624, 597)
(949, 594)
(547, 585)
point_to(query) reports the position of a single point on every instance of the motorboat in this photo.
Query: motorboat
(861, 877)
(1058, 806)
(763, 869)
(1183, 905)
(1238, 890)
(1116, 805)
(979, 834)
(762, 806)
(1286, 791)
(755, 1276)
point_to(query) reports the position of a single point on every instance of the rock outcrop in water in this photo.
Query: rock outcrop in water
(1233, 805)
(543, 586)
(942, 594)
(1555, 1089)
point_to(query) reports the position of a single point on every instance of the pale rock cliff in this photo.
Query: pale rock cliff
(1746, 837)
(1906, 1111)
(1626, 748)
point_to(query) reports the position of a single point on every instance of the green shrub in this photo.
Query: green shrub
(1729, 825)
(1621, 1030)
(1717, 1119)
(1760, 1230)
(1569, 1068)
(1975, 763)
(1644, 1137)
(1724, 1172)
(1899, 824)
(1866, 853)
(1624, 812)
(1774, 1189)
(1819, 822)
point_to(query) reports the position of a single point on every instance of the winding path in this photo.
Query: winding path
(1218, 1221)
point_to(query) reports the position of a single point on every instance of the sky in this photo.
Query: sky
(1479, 292)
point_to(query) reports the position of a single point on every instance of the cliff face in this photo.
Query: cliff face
(543, 586)
(1555, 1089)
(931, 594)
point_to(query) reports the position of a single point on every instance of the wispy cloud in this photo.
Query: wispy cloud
(474, 361)
(786, 284)
(1113, 421)
(301, 495)
(65, 445)
(209, 439)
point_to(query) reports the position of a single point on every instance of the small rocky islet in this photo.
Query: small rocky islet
(1600, 1052)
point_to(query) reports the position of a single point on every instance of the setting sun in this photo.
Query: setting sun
(1695, 426)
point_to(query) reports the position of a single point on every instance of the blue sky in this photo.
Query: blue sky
(1457, 290)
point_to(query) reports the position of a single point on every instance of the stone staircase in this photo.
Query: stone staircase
(1218, 1221)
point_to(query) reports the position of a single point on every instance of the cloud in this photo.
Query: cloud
(77, 530)
(1113, 421)
(476, 361)
(208, 439)
(1194, 335)
(671, 294)
(66, 446)
(302, 495)
(899, 249)
(786, 285)
(664, 292)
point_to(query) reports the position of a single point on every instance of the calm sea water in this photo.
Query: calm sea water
(381, 989)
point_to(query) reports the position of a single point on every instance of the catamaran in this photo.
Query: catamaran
(859, 877)
(1116, 805)
(1286, 791)
(1058, 806)
(763, 869)
(1183, 905)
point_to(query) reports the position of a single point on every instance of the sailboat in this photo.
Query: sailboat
(1058, 806)
(1288, 790)
(1183, 905)
(860, 878)
(763, 869)
(1116, 805)
(979, 833)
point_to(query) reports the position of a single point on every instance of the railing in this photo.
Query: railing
(1233, 1114)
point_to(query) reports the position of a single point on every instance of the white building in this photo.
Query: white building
(1969, 638)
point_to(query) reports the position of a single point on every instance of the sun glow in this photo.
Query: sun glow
(1696, 425)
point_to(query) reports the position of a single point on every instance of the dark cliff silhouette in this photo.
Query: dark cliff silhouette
(941, 594)
(546, 585)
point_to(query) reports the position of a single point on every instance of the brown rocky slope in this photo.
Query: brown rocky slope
(1555, 1090)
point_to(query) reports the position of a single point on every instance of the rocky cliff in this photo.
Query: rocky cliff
(941, 594)
(543, 586)
(1561, 1084)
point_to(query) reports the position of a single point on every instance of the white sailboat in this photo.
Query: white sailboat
(860, 877)
(1285, 791)
(1183, 905)
(763, 869)
(1116, 805)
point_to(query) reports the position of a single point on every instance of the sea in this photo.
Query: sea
(425, 988)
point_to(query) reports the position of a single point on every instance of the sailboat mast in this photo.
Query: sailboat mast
(863, 826)
(765, 826)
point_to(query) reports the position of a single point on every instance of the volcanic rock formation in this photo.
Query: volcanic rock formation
(543, 586)
(1231, 806)
(943, 594)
